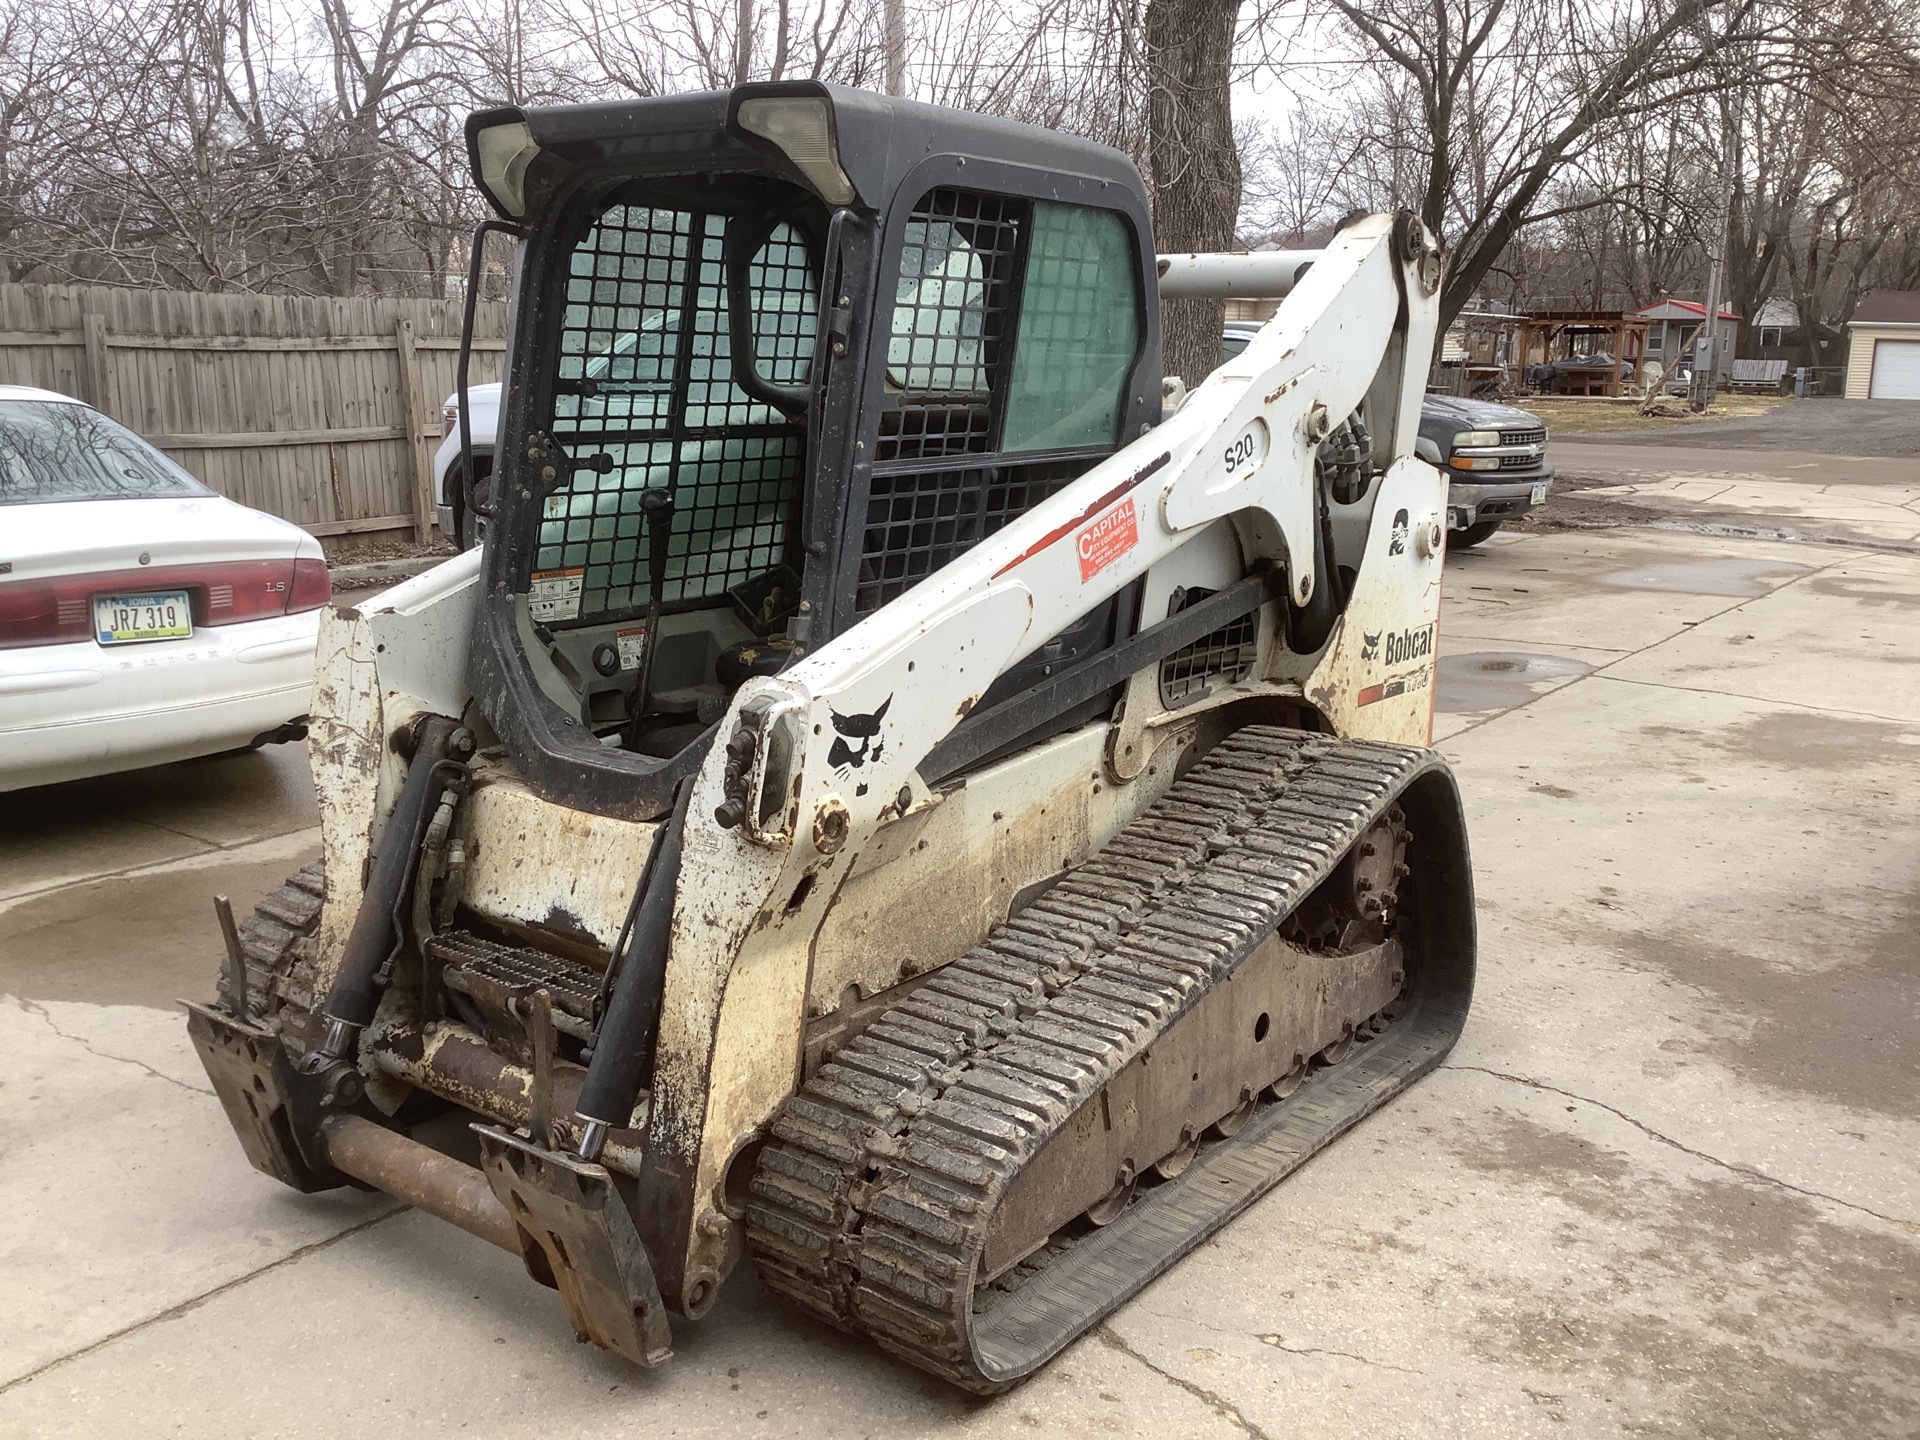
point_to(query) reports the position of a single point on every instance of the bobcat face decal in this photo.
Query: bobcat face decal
(865, 729)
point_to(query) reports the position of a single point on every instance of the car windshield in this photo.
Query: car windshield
(55, 451)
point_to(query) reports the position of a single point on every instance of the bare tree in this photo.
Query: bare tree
(1471, 110)
(1194, 163)
(1560, 148)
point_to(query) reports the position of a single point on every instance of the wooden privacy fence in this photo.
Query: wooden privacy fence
(323, 411)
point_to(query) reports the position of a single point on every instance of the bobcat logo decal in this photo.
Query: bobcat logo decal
(865, 729)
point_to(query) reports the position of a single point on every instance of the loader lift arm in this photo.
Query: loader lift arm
(1242, 446)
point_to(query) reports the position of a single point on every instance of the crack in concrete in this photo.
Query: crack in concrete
(1270, 1339)
(1745, 1171)
(1755, 699)
(34, 1007)
(1273, 1341)
(186, 1307)
(1216, 1403)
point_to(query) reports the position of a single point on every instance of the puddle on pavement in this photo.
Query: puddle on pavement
(1500, 679)
(1728, 575)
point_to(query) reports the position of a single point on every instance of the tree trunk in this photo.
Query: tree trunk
(1194, 162)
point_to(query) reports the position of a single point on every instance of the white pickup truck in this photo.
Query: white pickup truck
(450, 491)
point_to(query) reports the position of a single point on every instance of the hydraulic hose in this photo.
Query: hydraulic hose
(623, 1046)
(355, 994)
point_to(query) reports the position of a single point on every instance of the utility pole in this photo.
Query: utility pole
(743, 42)
(1706, 353)
(896, 44)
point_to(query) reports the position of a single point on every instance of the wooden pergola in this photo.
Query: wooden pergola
(1554, 337)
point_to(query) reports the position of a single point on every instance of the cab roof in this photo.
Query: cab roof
(880, 138)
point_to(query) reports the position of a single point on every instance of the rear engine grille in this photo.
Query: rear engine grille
(1225, 656)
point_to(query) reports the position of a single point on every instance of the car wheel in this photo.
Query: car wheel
(1466, 539)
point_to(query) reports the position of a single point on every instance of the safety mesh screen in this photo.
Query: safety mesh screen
(949, 323)
(781, 276)
(1224, 656)
(917, 523)
(645, 400)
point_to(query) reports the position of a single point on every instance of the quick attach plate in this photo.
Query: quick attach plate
(269, 1104)
(576, 1236)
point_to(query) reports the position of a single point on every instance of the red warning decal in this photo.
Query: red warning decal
(1106, 540)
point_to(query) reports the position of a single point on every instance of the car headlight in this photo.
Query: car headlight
(1477, 437)
(1475, 462)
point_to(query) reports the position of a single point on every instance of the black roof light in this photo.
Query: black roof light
(798, 121)
(503, 148)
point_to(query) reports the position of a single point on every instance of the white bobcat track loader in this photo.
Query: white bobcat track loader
(887, 803)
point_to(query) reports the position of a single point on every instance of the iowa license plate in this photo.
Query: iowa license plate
(124, 619)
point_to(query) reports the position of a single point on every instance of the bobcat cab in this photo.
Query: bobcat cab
(890, 804)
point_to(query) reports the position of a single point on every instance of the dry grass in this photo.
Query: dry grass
(1612, 417)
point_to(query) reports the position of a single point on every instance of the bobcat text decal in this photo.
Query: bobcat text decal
(1406, 645)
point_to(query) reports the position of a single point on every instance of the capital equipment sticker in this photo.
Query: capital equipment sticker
(1106, 540)
(633, 646)
(555, 594)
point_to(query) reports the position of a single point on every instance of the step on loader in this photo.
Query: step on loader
(903, 798)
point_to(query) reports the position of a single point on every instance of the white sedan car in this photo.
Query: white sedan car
(143, 618)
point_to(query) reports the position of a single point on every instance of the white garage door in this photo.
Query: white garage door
(1896, 370)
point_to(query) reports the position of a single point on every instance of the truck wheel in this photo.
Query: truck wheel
(277, 942)
(1466, 539)
(469, 529)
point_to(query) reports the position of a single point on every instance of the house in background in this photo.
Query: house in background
(1883, 358)
(1778, 334)
(1775, 332)
(1672, 326)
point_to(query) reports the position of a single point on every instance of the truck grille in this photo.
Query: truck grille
(1523, 437)
(1519, 462)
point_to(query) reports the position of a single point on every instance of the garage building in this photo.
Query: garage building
(1883, 360)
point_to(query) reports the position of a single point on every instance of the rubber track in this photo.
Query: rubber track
(276, 942)
(873, 1196)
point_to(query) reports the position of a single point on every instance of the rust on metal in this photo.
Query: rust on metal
(446, 1059)
(830, 825)
(423, 1177)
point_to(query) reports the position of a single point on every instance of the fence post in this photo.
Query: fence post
(99, 376)
(421, 462)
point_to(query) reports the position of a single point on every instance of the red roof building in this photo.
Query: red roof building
(1673, 326)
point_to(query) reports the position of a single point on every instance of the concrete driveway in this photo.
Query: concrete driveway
(1668, 1183)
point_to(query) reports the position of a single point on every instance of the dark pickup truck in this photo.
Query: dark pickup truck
(1495, 456)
